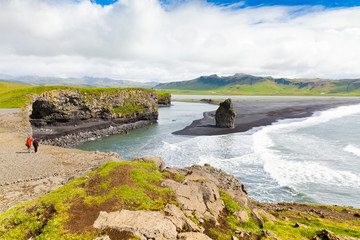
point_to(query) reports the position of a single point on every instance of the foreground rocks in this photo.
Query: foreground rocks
(144, 224)
(140, 199)
(225, 115)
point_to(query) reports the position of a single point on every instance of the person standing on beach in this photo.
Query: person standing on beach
(36, 144)
(28, 144)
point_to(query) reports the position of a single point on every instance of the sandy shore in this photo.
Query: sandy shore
(25, 176)
(259, 113)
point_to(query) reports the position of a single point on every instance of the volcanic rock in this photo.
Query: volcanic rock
(225, 115)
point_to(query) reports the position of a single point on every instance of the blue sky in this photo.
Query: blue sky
(326, 3)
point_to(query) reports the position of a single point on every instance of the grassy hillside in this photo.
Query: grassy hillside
(5, 86)
(16, 95)
(251, 85)
(70, 211)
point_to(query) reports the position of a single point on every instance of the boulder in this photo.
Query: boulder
(242, 215)
(177, 217)
(192, 236)
(221, 179)
(258, 219)
(258, 211)
(270, 234)
(297, 225)
(144, 224)
(202, 198)
(225, 115)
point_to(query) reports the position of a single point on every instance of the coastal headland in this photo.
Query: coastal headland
(72, 194)
(258, 113)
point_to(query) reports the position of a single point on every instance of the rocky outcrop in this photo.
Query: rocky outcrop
(178, 218)
(82, 114)
(198, 204)
(185, 203)
(64, 106)
(199, 193)
(225, 115)
(221, 179)
(144, 224)
(164, 99)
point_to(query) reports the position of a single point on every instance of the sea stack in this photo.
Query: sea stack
(225, 115)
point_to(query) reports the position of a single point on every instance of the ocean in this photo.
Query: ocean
(310, 160)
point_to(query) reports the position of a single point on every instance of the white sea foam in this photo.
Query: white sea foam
(169, 146)
(290, 173)
(352, 149)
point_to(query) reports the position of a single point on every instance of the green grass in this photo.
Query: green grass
(230, 205)
(48, 217)
(163, 94)
(137, 186)
(5, 86)
(251, 85)
(17, 97)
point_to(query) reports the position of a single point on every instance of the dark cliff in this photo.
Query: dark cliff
(80, 114)
(164, 99)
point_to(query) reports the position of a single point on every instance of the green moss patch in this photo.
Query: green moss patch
(70, 211)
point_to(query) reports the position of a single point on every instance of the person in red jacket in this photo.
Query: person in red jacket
(28, 144)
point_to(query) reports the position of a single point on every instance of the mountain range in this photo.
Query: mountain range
(75, 82)
(248, 84)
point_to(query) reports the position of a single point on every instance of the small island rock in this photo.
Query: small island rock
(225, 115)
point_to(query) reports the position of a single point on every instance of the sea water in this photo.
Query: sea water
(313, 160)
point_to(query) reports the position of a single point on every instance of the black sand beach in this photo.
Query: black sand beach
(259, 113)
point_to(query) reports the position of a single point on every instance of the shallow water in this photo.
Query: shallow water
(315, 159)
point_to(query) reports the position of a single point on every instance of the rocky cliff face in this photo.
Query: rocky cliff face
(164, 99)
(59, 113)
(70, 105)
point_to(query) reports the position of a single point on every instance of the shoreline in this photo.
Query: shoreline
(259, 113)
(72, 135)
(25, 176)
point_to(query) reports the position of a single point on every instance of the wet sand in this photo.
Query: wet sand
(257, 113)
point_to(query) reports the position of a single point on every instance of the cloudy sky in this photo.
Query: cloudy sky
(171, 40)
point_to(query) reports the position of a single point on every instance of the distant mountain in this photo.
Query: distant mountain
(75, 82)
(248, 84)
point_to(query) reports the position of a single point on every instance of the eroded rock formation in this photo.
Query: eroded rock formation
(164, 100)
(66, 116)
(225, 115)
(71, 105)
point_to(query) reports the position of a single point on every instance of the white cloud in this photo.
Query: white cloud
(142, 40)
